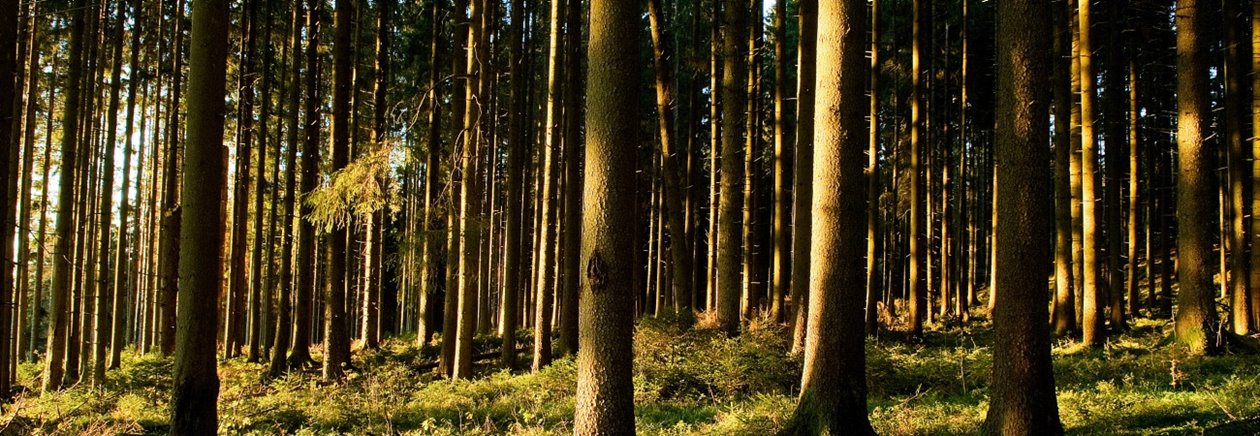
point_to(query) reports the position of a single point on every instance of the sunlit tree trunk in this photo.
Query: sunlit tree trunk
(751, 279)
(803, 181)
(918, 267)
(1064, 316)
(370, 330)
(871, 319)
(780, 253)
(1236, 52)
(428, 321)
(1254, 297)
(1196, 316)
(27, 308)
(833, 386)
(544, 289)
(450, 301)
(605, 391)
(1078, 275)
(715, 146)
(471, 220)
(1092, 297)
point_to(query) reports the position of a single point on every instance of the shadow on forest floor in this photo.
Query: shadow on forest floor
(688, 380)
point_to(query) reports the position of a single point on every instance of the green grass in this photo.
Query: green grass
(688, 380)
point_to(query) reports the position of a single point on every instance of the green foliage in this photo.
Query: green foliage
(688, 380)
(356, 190)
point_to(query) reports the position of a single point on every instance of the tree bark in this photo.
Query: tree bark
(1064, 316)
(833, 386)
(54, 366)
(545, 287)
(516, 153)
(305, 283)
(1092, 296)
(918, 268)
(1196, 311)
(571, 240)
(1023, 399)
(605, 391)
(803, 181)
(284, 317)
(1236, 107)
(336, 333)
(730, 197)
(169, 250)
(196, 383)
(472, 223)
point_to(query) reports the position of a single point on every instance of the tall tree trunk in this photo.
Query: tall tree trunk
(430, 243)
(780, 265)
(169, 250)
(63, 269)
(305, 284)
(734, 97)
(194, 396)
(1254, 297)
(450, 317)
(1064, 316)
(1236, 53)
(8, 94)
(1092, 296)
(1074, 120)
(605, 392)
(671, 176)
(284, 317)
(516, 154)
(1196, 311)
(336, 333)
(803, 181)
(1023, 400)
(715, 146)
(123, 284)
(751, 278)
(237, 292)
(471, 220)
(372, 293)
(544, 289)
(26, 308)
(1116, 158)
(105, 276)
(871, 320)
(258, 297)
(573, 118)
(1135, 238)
(833, 386)
(918, 267)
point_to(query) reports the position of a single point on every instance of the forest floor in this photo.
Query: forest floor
(688, 380)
